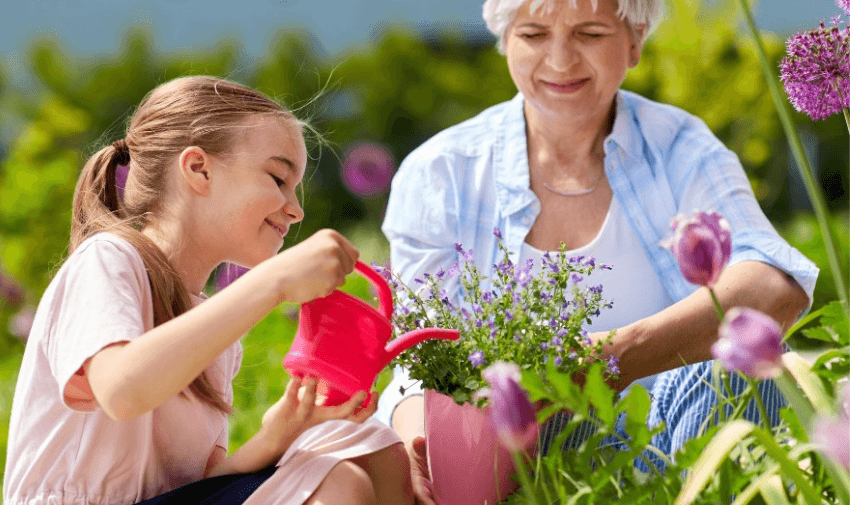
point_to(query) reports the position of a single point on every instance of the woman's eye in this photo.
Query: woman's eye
(531, 36)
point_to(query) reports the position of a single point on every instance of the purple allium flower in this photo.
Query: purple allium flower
(121, 173)
(816, 70)
(227, 274)
(832, 436)
(367, 169)
(750, 342)
(512, 413)
(497, 233)
(613, 365)
(702, 245)
(11, 292)
(21, 323)
(477, 359)
(845, 6)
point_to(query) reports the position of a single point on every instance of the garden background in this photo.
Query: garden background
(395, 90)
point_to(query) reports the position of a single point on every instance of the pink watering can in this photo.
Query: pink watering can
(345, 342)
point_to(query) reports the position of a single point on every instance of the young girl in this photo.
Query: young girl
(125, 385)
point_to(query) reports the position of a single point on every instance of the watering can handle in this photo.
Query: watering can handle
(385, 296)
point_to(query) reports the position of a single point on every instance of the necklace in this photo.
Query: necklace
(576, 192)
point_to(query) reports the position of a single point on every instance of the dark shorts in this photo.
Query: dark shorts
(221, 490)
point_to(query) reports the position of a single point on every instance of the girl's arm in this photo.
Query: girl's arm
(685, 331)
(131, 378)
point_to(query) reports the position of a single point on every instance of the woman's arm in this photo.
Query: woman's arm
(131, 378)
(685, 331)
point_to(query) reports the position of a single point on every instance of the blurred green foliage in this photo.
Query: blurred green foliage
(398, 91)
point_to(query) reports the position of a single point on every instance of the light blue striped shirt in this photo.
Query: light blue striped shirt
(659, 160)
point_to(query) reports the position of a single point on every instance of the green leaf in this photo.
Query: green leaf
(773, 491)
(600, 395)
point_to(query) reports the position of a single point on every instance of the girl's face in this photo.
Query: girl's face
(570, 62)
(253, 193)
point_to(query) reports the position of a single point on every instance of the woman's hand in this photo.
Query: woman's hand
(423, 490)
(315, 267)
(297, 411)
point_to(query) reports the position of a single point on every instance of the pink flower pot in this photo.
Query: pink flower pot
(468, 465)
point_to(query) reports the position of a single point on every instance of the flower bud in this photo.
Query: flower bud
(511, 411)
(750, 342)
(702, 246)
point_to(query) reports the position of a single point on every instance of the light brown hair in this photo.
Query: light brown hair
(201, 111)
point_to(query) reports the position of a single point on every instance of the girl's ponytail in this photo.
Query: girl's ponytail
(98, 207)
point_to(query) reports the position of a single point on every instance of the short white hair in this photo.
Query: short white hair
(498, 14)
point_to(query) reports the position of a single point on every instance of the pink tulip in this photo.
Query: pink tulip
(367, 169)
(832, 434)
(511, 411)
(702, 245)
(750, 342)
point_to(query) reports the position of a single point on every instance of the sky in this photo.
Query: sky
(89, 28)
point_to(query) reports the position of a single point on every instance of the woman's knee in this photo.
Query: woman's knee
(346, 483)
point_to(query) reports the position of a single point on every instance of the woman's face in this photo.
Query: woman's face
(571, 62)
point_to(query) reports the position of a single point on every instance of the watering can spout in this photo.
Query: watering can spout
(408, 340)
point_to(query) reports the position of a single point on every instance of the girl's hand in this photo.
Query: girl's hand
(296, 412)
(423, 490)
(315, 267)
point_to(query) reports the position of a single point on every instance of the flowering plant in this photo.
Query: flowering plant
(520, 317)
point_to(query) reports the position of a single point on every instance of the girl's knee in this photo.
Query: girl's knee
(346, 483)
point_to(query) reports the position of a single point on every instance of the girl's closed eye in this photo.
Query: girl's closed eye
(277, 180)
(532, 35)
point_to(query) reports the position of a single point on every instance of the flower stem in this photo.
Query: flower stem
(812, 188)
(717, 307)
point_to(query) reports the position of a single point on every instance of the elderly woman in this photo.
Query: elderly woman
(574, 159)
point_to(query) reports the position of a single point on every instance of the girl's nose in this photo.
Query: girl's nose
(293, 210)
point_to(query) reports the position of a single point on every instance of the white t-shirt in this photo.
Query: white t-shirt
(62, 448)
(631, 285)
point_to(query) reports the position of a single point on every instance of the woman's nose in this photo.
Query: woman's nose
(561, 54)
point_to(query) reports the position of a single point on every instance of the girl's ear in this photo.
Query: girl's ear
(194, 165)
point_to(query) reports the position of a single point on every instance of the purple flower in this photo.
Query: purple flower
(458, 247)
(508, 315)
(576, 278)
(613, 365)
(511, 411)
(816, 70)
(121, 173)
(440, 273)
(702, 245)
(468, 256)
(227, 274)
(11, 292)
(845, 6)
(454, 271)
(750, 342)
(558, 360)
(477, 359)
(367, 169)
(497, 233)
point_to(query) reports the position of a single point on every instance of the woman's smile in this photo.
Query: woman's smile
(567, 86)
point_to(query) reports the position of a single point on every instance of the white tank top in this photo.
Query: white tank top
(631, 285)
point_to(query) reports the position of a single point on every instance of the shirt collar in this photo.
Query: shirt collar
(625, 133)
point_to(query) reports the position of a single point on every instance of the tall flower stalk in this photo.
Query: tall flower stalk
(812, 188)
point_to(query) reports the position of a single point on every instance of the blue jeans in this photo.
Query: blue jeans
(683, 399)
